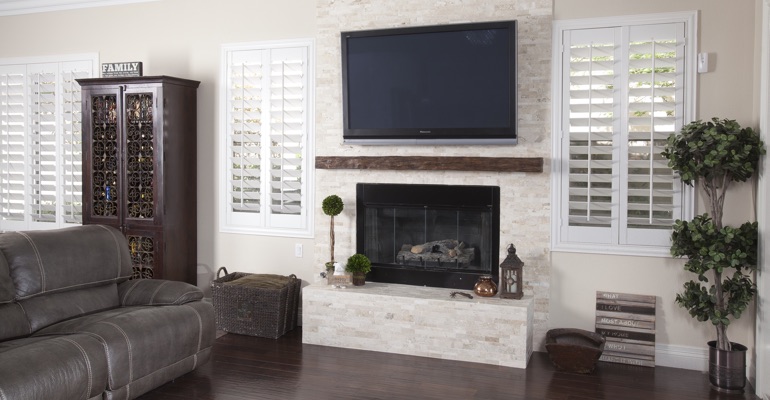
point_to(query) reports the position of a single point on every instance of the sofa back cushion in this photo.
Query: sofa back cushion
(45, 262)
(6, 284)
(13, 322)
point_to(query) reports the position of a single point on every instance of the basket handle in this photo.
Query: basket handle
(293, 277)
(220, 270)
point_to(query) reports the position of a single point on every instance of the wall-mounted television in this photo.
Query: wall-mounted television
(444, 84)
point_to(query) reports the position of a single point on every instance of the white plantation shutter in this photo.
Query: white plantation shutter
(40, 152)
(267, 114)
(12, 149)
(41, 145)
(71, 145)
(287, 133)
(655, 111)
(622, 95)
(593, 73)
(244, 116)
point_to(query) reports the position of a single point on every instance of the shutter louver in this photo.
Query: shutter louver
(12, 128)
(245, 136)
(287, 122)
(590, 130)
(655, 76)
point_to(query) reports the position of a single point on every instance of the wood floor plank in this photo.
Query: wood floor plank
(248, 368)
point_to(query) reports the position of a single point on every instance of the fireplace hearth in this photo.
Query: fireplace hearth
(429, 235)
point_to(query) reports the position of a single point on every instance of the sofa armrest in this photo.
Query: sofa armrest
(157, 292)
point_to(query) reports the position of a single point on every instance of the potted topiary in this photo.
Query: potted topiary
(358, 265)
(332, 206)
(715, 154)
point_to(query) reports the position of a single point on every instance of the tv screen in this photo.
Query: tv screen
(446, 84)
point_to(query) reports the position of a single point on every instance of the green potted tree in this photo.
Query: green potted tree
(358, 265)
(715, 154)
(332, 206)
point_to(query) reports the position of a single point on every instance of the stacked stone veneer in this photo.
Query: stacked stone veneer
(419, 321)
(524, 197)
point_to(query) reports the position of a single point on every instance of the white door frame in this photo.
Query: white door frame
(762, 346)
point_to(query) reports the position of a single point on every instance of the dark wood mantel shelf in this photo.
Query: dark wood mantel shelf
(496, 164)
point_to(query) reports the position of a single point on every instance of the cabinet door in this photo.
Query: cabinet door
(146, 248)
(143, 153)
(102, 138)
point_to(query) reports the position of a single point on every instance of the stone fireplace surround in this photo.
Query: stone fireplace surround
(419, 320)
(524, 195)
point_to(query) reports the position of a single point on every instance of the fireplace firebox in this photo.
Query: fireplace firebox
(429, 235)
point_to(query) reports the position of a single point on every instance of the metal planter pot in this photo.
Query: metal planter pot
(727, 368)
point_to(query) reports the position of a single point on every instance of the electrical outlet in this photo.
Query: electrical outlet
(298, 250)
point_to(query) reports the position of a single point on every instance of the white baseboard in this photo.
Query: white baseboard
(686, 357)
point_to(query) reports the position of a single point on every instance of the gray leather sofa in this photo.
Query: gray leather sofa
(72, 326)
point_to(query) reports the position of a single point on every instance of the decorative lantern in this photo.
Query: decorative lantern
(511, 276)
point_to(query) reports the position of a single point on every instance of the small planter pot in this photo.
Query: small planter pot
(359, 278)
(727, 368)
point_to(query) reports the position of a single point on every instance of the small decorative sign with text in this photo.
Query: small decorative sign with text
(110, 70)
(627, 322)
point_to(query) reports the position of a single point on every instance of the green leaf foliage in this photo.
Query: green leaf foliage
(713, 149)
(358, 263)
(332, 205)
(710, 249)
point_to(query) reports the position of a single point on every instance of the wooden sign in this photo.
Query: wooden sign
(627, 322)
(110, 70)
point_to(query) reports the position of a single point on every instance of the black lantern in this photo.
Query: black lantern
(511, 276)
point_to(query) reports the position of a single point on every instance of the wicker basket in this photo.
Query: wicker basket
(262, 305)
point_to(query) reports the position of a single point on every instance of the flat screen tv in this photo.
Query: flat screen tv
(445, 84)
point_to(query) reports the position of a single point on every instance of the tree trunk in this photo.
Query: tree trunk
(723, 343)
(716, 194)
(331, 239)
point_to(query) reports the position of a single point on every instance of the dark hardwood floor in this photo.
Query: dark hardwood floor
(244, 367)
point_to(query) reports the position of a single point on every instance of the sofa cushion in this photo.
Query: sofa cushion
(6, 285)
(42, 311)
(50, 261)
(51, 368)
(13, 322)
(141, 340)
(153, 292)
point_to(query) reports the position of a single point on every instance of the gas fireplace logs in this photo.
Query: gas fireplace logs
(448, 251)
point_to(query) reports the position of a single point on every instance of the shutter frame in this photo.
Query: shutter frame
(626, 238)
(285, 142)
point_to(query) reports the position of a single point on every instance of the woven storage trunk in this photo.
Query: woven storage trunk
(262, 305)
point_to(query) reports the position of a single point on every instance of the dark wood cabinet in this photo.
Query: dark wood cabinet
(139, 169)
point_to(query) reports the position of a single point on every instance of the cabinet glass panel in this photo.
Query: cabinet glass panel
(142, 256)
(104, 120)
(139, 162)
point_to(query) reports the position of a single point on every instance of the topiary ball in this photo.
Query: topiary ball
(332, 205)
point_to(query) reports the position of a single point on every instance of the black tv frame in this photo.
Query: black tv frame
(434, 136)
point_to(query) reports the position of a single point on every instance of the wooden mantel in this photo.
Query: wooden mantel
(419, 163)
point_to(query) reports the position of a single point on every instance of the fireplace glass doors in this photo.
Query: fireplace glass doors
(429, 235)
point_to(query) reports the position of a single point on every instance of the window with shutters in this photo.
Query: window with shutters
(40, 141)
(267, 124)
(621, 87)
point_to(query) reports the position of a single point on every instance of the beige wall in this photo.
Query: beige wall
(181, 38)
(727, 33)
